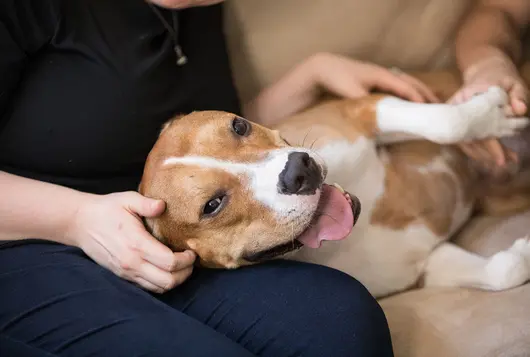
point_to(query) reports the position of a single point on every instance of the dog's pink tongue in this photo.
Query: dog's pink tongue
(334, 219)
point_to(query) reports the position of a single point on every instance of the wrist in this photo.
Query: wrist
(291, 93)
(314, 66)
(70, 229)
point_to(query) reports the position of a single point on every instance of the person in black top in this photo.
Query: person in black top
(85, 86)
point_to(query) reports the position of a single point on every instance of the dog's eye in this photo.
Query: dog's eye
(240, 126)
(213, 206)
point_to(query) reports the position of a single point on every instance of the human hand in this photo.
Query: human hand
(110, 231)
(489, 153)
(493, 71)
(491, 158)
(353, 79)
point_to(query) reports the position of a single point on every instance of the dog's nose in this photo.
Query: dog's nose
(300, 176)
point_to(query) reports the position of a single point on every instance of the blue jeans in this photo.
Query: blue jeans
(55, 301)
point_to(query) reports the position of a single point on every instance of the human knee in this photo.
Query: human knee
(338, 290)
(344, 315)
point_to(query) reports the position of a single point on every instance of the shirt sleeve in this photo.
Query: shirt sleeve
(26, 26)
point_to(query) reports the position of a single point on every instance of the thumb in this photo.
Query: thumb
(518, 96)
(144, 206)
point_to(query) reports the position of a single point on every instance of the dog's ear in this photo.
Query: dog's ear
(168, 123)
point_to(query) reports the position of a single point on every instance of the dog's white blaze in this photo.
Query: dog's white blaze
(263, 179)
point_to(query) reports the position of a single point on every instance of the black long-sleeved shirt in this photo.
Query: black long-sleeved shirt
(85, 85)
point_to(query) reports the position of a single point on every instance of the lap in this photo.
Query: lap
(58, 301)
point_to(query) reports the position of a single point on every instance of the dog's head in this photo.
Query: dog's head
(236, 193)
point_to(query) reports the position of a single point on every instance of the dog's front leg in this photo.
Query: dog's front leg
(451, 266)
(483, 116)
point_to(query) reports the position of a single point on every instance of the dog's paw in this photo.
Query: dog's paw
(494, 96)
(522, 246)
(509, 268)
(484, 116)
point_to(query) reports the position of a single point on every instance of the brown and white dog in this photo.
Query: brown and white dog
(238, 193)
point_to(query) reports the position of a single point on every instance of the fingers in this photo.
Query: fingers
(518, 99)
(485, 152)
(475, 152)
(182, 260)
(161, 256)
(467, 93)
(143, 206)
(153, 251)
(158, 280)
(495, 149)
(117, 240)
(152, 277)
(425, 91)
(519, 107)
(404, 85)
(346, 89)
(514, 94)
(390, 82)
(512, 155)
(147, 285)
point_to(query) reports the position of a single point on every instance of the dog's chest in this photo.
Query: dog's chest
(357, 168)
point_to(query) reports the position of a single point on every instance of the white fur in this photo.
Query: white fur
(480, 117)
(452, 266)
(262, 180)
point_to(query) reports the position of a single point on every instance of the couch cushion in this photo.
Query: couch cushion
(487, 235)
(460, 323)
(466, 322)
(266, 38)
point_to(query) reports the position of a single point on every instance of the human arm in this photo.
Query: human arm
(107, 227)
(342, 76)
(488, 50)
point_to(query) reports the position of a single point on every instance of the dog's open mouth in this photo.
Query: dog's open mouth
(334, 218)
(336, 214)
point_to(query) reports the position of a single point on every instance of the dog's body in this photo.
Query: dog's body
(415, 194)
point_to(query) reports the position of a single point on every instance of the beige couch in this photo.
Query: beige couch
(267, 37)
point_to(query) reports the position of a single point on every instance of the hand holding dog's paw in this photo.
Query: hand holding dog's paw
(494, 71)
(484, 116)
(110, 231)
